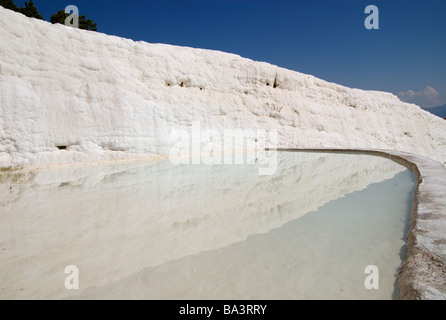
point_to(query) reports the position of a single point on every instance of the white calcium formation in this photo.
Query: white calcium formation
(68, 95)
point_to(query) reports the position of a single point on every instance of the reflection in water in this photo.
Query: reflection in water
(158, 231)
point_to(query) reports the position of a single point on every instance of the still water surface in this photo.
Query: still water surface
(158, 231)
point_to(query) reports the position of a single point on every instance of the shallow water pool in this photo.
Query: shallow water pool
(154, 230)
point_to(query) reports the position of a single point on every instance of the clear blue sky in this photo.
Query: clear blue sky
(326, 38)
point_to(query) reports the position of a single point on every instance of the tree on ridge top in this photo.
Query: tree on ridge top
(84, 23)
(9, 4)
(29, 10)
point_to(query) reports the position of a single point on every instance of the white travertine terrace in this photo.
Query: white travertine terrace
(70, 96)
(100, 97)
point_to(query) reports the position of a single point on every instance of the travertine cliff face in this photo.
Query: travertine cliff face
(68, 95)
